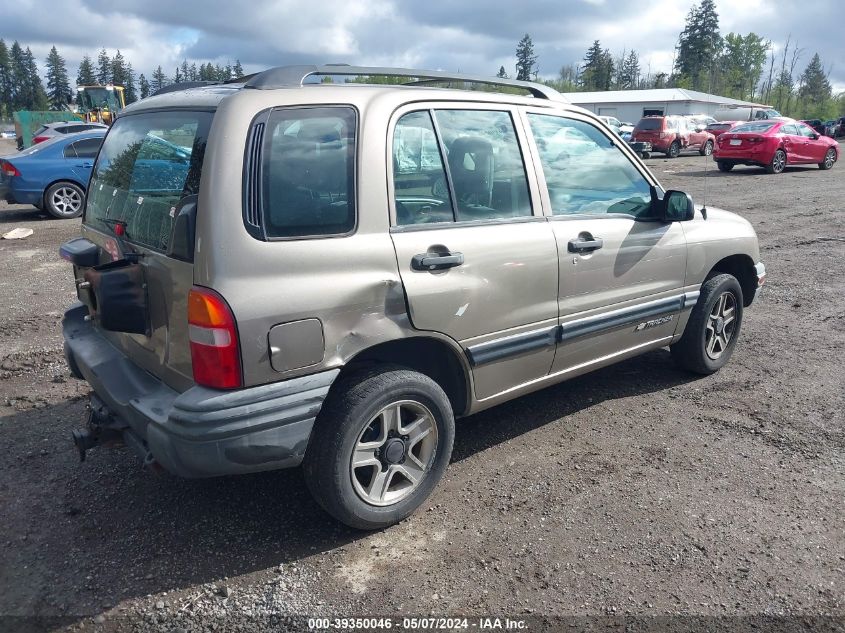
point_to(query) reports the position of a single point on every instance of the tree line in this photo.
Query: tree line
(22, 88)
(740, 66)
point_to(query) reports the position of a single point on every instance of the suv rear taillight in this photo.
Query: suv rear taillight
(215, 353)
(9, 169)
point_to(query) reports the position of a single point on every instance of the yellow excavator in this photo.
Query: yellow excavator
(99, 104)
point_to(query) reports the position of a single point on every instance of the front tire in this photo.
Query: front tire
(380, 445)
(778, 163)
(706, 149)
(829, 159)
(713, 327)
(64, 200)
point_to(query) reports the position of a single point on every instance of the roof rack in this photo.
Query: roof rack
(184, 85)
(295, 76)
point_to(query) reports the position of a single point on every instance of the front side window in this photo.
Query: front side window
(585, 172)
(147, 165)
(308, 172)
(805, 130)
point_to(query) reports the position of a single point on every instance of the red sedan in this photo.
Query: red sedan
(773, 145)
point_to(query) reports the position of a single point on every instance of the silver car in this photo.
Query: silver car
(285, 272)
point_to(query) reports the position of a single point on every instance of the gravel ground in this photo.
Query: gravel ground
(636, 490)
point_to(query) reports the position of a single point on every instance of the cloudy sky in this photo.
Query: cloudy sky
(474, 36)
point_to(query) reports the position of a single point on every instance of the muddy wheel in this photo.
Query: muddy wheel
(713, 327)
(379, 447)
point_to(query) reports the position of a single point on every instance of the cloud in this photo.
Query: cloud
(475, 36)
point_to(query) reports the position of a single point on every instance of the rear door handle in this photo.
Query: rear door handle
(585, 246)
(435, 261)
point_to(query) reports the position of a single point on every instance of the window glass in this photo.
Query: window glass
(309, 172)
(788, 129)
(86, 148)
(585, 172)
(419, 178)
(148, 163)
(761, 126)
(651, 123)
(805, 130)
(485, 164)
(70, 151)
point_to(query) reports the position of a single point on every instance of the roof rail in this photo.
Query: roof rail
(183, 85)
(295, 76)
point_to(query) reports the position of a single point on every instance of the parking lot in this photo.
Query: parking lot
(634, 490)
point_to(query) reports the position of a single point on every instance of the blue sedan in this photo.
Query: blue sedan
(52, 175)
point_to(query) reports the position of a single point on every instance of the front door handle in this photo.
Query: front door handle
(585, 246)
(436, 261)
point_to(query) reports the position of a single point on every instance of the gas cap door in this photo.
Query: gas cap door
(296, 344)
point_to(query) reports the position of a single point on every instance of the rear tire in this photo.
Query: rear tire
(829, 159)
(724, 165)
(399, 426)
(778, 163)
(674, 150)
(64, 200)
(713, 327)
(706, 149)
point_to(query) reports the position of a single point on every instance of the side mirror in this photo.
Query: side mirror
(676, 206)
(814, 136)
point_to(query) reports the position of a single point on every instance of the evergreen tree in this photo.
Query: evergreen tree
(502, 74)
(130, 95)
(238, 70)
(159, 80)
(143, 86)
(177, 76)
(118, 70)
(185, 71)
(86, 76)
(227, 72)
(37, 95)
(699, 47)
(597, 73)
(526, 60)
(19, 78)
(193, 73)
(104, 68)
(5, 82)
(58, 84)
(815, 88)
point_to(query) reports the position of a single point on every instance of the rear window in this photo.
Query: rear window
(761, 126)
(308, 172)
(650, 124)
(147, 165)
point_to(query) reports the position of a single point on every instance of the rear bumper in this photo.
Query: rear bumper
(201, 432)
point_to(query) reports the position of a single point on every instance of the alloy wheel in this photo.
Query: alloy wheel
(393, 453)
(721, 324)
(66, 201)
(829, 159)
(779, 161)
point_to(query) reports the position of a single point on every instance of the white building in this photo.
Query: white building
(631, 105)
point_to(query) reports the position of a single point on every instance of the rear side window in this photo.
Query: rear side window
(308, 172)
(148, 164)
(476, 174)
(86, 148)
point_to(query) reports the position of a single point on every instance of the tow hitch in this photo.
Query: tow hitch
(100, 429)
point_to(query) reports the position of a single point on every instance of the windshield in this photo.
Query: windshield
(147, 165)
(102, 98)
(650, 124)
